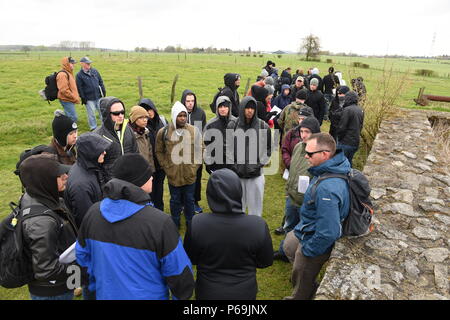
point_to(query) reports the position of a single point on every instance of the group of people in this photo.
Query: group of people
(106, 187)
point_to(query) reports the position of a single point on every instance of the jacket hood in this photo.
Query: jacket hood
(247, 102)
(89, 147)
(351, 98)
(185, 94)
(177, 108)
(285, 86)
(338, 164)
(65, 65)
(260, 93)
(105, 109)
(311, 123)
(148, 104)
(229, 80)
(122, 200)
(221, 100)
(224, 192)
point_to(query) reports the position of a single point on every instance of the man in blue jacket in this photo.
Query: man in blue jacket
(310, 244)
(91, 89)
(131, 250)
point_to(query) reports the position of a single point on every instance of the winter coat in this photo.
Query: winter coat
(282, 100)
(335, 114)
(288, 118)
(316, 101)
(294, 91)
(230, 90)
(248, 165)
(286, 77)
(291, 139)
(299, 167)
(352, 121)
(86, 177)
(320, 86)
(320, 224)
(132, 250)
(64, 156)
(227, 246)
(198, 116)
(144, 146)
(260, 95)
(215, 125)
(89, 85)
(65, 81)
(126, 143)
(170, 138)
(330, 82)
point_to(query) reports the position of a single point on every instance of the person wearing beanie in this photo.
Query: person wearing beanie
(154, 124)
(315, 75)
(116, 130)
(288, 118)
(132, 251)
(299, 166)
(336, 108)
(330, 85)
(138, 123)
(350, 126)
(316, 100)
(65, 132)
(180, 167)
(214, 159)
(67, 88)
(49, 229)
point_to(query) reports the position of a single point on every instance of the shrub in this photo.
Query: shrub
(356, 64)
(280, 56)
(425, 73)
(365, 66)
(329, 60)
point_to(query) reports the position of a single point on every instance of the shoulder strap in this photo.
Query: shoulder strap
(320, 179)
(164, 136)
(36, 210)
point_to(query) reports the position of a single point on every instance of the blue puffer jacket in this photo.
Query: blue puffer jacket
(88, 85)
(320, 223)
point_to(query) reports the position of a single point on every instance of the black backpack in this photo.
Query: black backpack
(51, 87)
(15, 261)
(359, 219)
(213, 103)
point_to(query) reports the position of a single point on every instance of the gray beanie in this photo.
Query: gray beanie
(314, 82)
(270, 89)
(269, 80)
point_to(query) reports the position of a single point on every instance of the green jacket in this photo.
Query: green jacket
(289, 116)
(299, 167)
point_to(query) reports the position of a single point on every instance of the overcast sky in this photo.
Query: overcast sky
(364, 27)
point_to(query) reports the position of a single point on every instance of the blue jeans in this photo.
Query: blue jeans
(349, 152)
(292, 214)
(179, 197)
(91, 107)
(69, 109)
(65, 296)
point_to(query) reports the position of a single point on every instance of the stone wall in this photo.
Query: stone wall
(407, 256)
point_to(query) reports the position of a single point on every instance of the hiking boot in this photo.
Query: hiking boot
(277, 255)
(279, 231)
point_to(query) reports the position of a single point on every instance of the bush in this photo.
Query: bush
(365, 66)
(356, 64)
(329, 60)
(261, 55)
(280, 56)
(425, 73)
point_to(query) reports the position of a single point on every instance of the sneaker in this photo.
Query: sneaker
(278, 256)
(197, 209)
(279, 231)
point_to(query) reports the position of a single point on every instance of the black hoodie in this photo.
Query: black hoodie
(231, 92)
(227, 246)
(352, 121)
(86, 177)
(197, 117)
(108, 132)
(262, 147)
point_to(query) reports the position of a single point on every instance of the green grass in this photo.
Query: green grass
(26, 119)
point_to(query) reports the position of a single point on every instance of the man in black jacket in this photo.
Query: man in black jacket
(252, 143)
(227, 246)
(316, 100)
(86, 177)
(196, 117)
(330, 82)
(115, 130)
(232, 82)
(154, 123)
(336, 108)
(51, 231)
(215, 136)
(91, 88)
(350, 126)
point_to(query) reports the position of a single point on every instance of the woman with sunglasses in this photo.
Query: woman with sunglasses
(115, 130)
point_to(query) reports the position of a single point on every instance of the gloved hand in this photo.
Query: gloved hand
(270, 115)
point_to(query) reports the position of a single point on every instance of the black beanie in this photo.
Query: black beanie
(62, 125)
(133, 168)
(302, 94)
(343, 90)
(311, 123)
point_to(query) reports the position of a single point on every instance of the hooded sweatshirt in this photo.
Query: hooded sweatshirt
(260, 94)
(213, 142)
(250, 155)
(65, 81)
(231, 92)
(227, 246)
(122, 142)
(132, 250)
(352, 121)
(180, 166)
(282, 100)
(86, 177)
(197, 117)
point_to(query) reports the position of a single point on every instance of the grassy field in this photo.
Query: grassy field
(26, 119)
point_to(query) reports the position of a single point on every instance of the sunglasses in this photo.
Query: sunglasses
(117, 113)
(310, 154)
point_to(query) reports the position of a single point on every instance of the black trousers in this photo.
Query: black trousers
(157, 194)
(198, 185)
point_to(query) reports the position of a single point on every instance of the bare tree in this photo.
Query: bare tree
(311, 46)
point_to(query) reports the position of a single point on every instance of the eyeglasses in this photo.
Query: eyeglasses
(310, 154)
(117, 113)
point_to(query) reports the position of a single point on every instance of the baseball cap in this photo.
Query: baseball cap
(85, 60)
(63, 169)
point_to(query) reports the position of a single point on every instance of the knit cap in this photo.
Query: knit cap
(314, 82)
(133, 168)
(62, 125)
(137, 112)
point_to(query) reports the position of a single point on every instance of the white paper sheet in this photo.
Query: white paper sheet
(286, 174)
(68, 256)
(303, 183)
